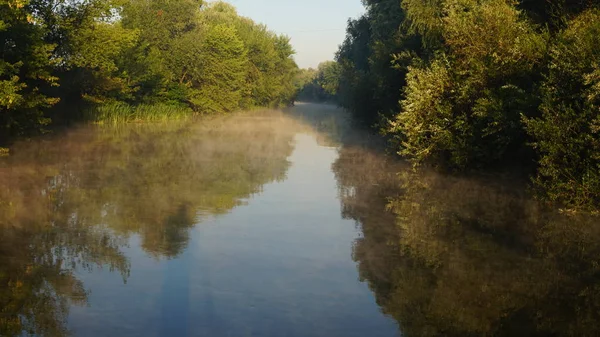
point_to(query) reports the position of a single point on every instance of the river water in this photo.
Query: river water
(274, 223)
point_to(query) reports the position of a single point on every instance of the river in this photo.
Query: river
(278, 223)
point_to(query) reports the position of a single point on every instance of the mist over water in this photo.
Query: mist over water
(277, 223)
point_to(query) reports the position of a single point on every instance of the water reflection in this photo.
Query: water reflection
(443, 256)
(70, 204)
(469, 257)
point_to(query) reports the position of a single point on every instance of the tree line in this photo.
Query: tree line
(318, 85)
(61, 56)
(475, 84)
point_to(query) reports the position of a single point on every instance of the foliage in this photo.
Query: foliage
(567, 134)
(464, 109)
(25, 66)
(320, 85)
(373, 60)
(222, 76)
(186, 53)
(270, 70)
(472, 84)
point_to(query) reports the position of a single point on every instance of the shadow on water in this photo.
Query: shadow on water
(70, 203)
(450, 256)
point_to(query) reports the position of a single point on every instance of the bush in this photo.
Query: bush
(116, 113)
(464, 109)
(567, 135)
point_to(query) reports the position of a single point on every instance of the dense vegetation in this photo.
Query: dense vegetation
(473, 84)
(128, 59)
(318, 85)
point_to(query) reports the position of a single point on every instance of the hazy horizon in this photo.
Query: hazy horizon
(316, 27)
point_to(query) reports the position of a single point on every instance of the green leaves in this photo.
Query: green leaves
(371, 80)
(179, 52)
(208, 57)
(25, 66)
(567, 135)
(463, 110)
(492, 37)
(480, 83)
(423, 131)
(223, 63)
(319, 85)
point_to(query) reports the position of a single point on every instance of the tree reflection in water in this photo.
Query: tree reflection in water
(70, 203)
(449, 256)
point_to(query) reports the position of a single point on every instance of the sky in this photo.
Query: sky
(316, 27)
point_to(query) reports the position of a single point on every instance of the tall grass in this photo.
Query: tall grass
(120, 113)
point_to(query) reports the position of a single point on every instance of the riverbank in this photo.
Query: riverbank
(117, 114)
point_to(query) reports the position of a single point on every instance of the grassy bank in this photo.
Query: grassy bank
(119, 113)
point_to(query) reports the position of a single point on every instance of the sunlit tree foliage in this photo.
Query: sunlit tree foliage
(198, 56)
(471, 84)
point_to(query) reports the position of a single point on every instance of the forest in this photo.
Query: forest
(64, 61)
(478, 85)
(459, 85)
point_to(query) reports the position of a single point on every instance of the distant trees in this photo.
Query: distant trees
(472, 84)
(373, 60)
(202, 57)
(319, 85)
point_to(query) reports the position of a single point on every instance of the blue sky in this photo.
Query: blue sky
(316, 27)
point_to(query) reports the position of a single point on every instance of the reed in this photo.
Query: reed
(120, 113)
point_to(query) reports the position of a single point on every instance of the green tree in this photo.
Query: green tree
(178, 53)
(270, 69)
(161, 64)
(373, 61)
(319, 85)
(219, 85)
(328, 77)
(26, 65)
(567, 134)
(94, 56)
(464, 109)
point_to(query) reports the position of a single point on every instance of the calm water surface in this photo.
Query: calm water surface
(278, 224)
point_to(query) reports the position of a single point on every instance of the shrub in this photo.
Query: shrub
(567, 135)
